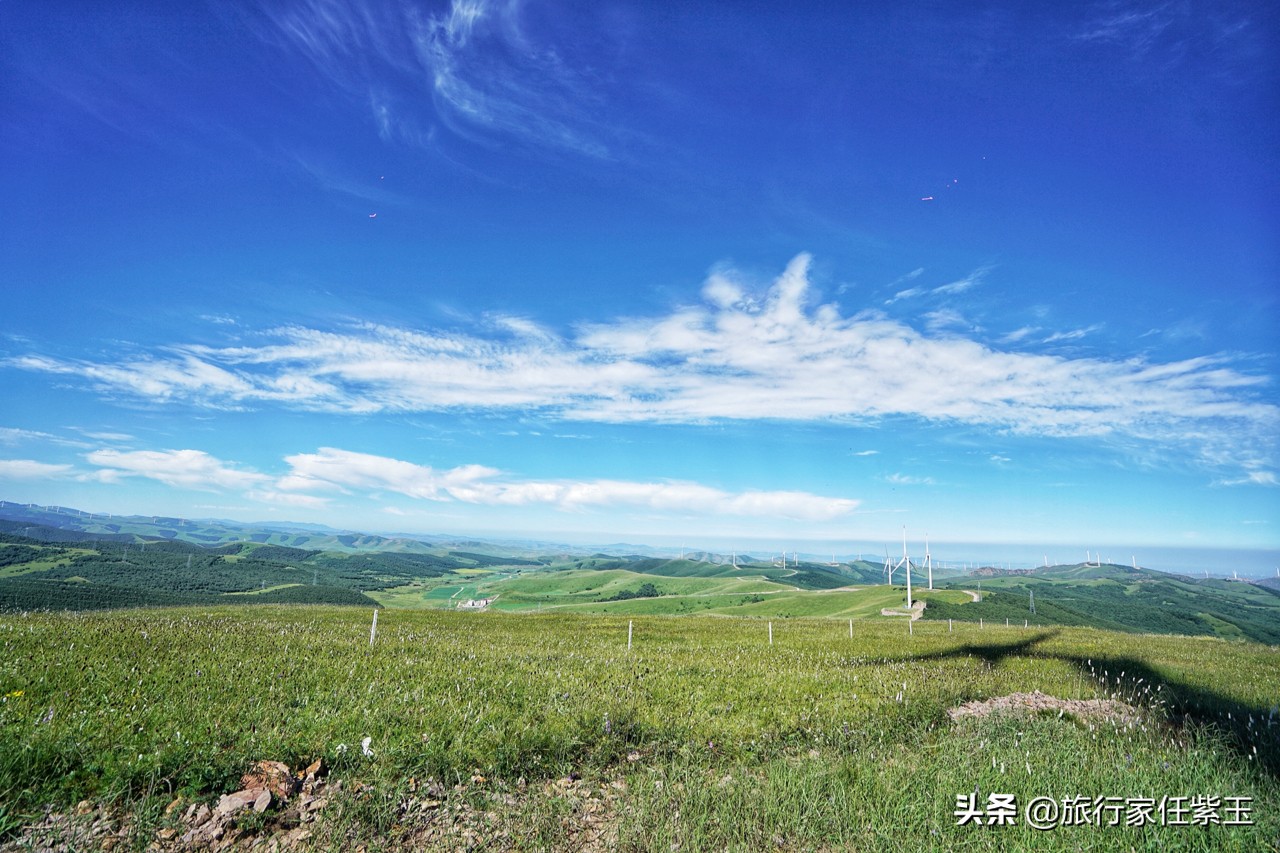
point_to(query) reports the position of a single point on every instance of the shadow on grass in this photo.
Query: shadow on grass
(1250, 731)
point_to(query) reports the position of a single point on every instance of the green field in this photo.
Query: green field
(708, 736)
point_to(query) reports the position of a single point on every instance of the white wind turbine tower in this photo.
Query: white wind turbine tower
(928, 560)
(888, 565)
(905, 563)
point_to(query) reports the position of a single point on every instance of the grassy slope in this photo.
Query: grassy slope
(1123, 598)
(722, 740)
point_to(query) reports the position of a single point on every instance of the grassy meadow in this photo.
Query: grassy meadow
(709, 736)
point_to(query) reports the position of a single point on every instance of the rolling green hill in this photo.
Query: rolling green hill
(1121, 598)
(39, 574)
(94, 561)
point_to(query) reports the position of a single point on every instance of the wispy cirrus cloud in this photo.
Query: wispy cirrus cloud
(909, 480)
(1073, 334)
(489, 74)
(490, 77)
(950, 289)
(15, 435)
(30, 469)
(737, 356)
(1218, 42)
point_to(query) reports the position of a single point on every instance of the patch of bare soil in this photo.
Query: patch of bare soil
(916, 611)
(1039, 703)
(277, 810)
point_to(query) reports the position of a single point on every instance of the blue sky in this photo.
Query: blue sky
(662, 272)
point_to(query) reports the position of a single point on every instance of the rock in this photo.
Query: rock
(274, 776)
(240, 800)
(167, 834)
(261, 804)
(314, 770)
(313, 804)
(204, 835)
(297, 836)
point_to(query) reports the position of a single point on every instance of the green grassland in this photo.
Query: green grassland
(715, 738)
(94, 574)
(1123, 598)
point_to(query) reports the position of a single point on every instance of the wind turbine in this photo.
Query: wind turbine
(888, 565)
(905, 563)
(928, 560)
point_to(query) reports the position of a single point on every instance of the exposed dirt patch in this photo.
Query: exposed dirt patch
(286, 812)
(916, 611)
(1039, 703)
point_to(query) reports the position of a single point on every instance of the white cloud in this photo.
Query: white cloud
(733, 357)
(1252, 478)
(272, 496)
(963, 284)
(107, 436)
(908, 480)
(13, 435)
(1018, 334)
(904, 294)
(490, 79)
(191, 469)
(331, 468)
(866, 453)
(1073, 335)
(334, 469)
(945, 318)
(30, 469)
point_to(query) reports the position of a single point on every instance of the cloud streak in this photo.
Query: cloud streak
(333, 471)
(331, 468)
(30, 469)
(737, 356)
(481, 65)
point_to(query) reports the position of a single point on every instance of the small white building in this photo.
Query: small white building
(475, 603)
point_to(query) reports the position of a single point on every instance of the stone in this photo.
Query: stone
(274, 776)
(315, 770)
(240, 800)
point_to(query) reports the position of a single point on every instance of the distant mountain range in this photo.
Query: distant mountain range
(64, 558)
(80, 526)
